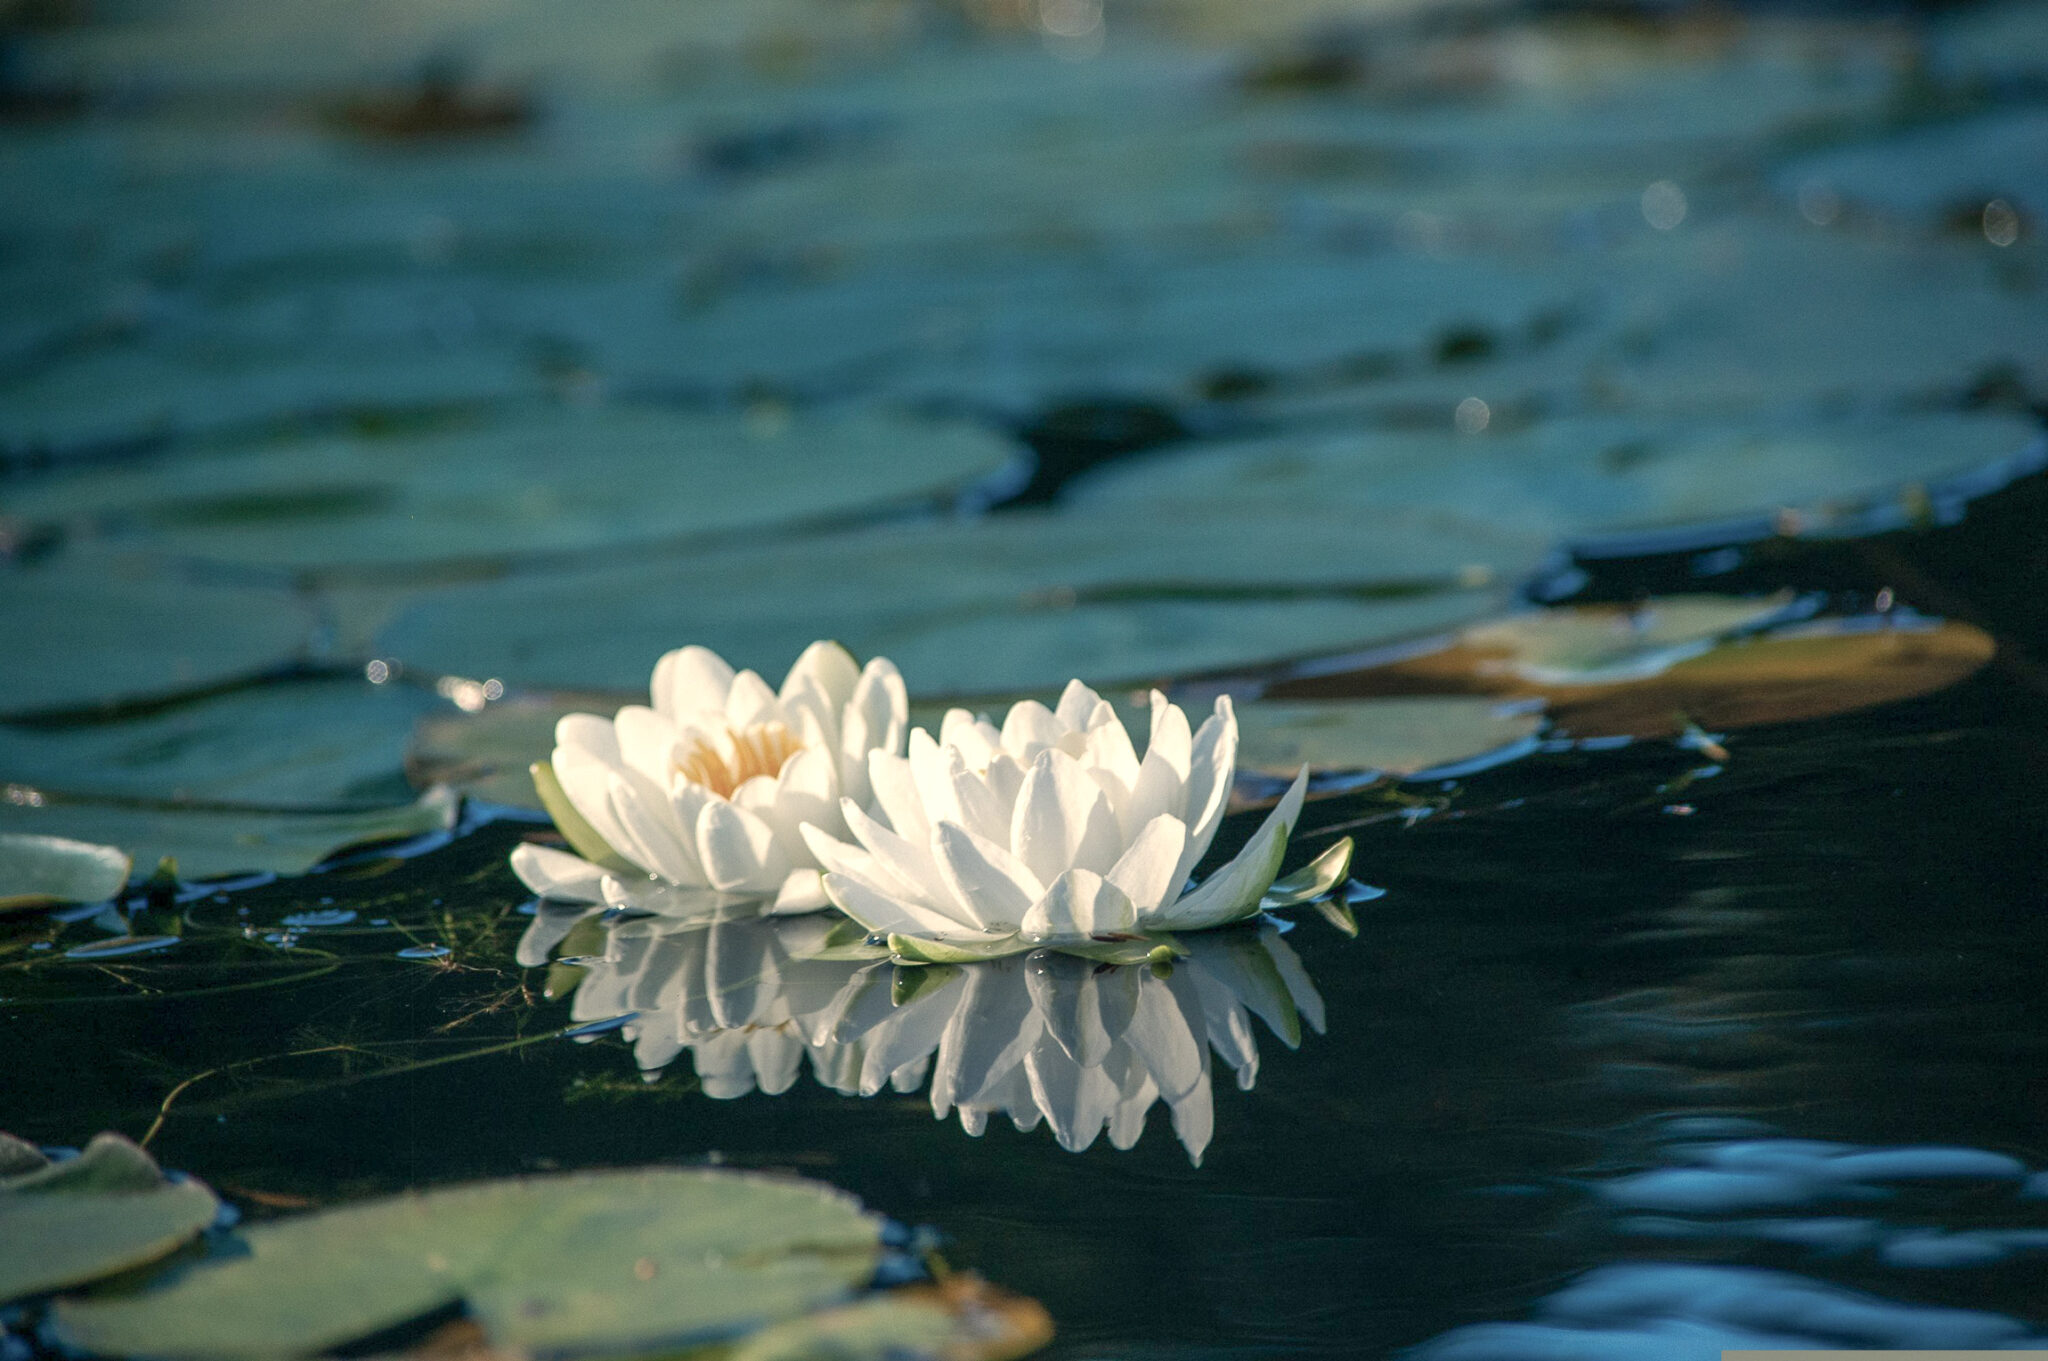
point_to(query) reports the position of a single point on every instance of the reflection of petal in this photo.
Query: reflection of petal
(1163, 1032)
(911, 1031)
(987, 1036)
(551, 923)
(1084, 1008)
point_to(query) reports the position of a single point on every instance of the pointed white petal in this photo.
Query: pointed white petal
(906, 863)
(801, 891)
(887, 914)
(652, 839)
(1109, 746)
(689, 681)
(982, 810)
(557, 874)
(1149, 870)
(750, 701)
(1029, 729)
(1080, 904)
(978, 744)
(586, 782)
(1233, 892)
(828, 667)
(646, 742)
(589, 733)
(1165, 1037)
(992, 886)
(932, 771)
(738, 850)
(1161, 786)
(1076, 706)
(1062, 820)
(895, 794)
(873, 719)
(1212, 763)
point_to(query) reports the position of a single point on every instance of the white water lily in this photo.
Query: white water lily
(1052, 833)
(713, 786)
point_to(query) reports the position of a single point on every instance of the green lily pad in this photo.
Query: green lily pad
(18, 1156)
(106, 1210)
(1397, 736)
(586, 1262)
(957, 1319)
(306, 743)
(547, 481)
(1570, 478)
(113, 628)
(1013, 602)
(210, 841)
(43, 871)
(489, 753)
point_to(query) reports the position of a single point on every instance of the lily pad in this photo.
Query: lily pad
(299, 743)
(586, 1262)
(1570, 478)
(106, 1210)
(210, 841)
(487, 753)
(957, 1319)
(43, 871)
(114, 628)
(1393, 736)
(545, 481)
(1009, 603)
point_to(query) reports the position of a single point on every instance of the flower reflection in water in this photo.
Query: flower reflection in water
(1083, 1047)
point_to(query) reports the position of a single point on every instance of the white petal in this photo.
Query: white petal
(1005, 780)
(895, 794)
(807, 791)
(1212, 762)
(1062, 820)
(646, 742)
(589, 733)
(738, 850)
(933, 772)
(801, 891)
(691, 680)
(888, 914)
(750, 701)
(873, 720)
(557, 874)
(981, 809)
(904, 863)
(1077, 704)
(1149, 870)
(828, 667)
(992, 885)
(978, 744)
(1161, 786)
(653, 841)
(1029, 729)
(1229, 893)
(1080, 904)
(686, 804)
(1109, 746)
(586, 779)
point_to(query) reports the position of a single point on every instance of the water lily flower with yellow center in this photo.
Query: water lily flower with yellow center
(1052, 833)
(711, 787)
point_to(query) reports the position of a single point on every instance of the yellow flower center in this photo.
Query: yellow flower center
(760, 750)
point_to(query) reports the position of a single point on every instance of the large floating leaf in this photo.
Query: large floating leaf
(1396, 736)
(1650, 677)
(542, 481)
(1574, 477)
(958, 1319)
(587, 1262)
(487, 753)
(209, 841)
(41, 871)
(106, 1210)
(300, 743)
(1008, 603)
(107, 629)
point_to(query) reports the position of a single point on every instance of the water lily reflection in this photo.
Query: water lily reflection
(1084, 1047)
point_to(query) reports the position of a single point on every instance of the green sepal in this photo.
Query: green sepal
(1137, 950)
(909, 984)
(914, 950)
(581, 836)
(848, 942)
(1313, 880)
